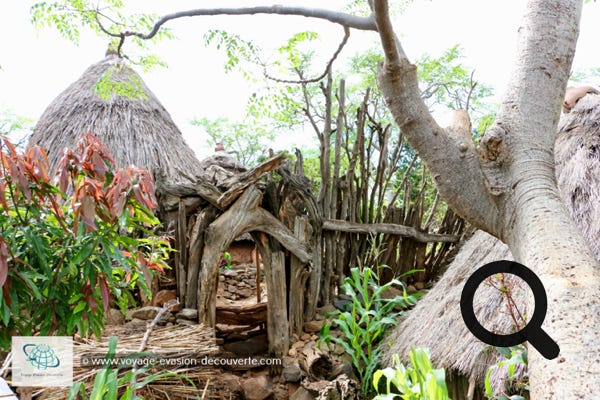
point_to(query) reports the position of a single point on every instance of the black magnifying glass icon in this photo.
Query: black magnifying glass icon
(532, 332)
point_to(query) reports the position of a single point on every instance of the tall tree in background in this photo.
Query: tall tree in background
(248, 140)
(506, 185)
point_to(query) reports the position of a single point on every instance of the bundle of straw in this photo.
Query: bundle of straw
(173, 343)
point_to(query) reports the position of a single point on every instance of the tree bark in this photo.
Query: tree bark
(537, 228)
(324, 197)
(204, 218)
(239, 183)
(546, 240)
(299, 274)
(181, 261)
(454, 163)
(508, 188)
(277, 319)
(315, 362)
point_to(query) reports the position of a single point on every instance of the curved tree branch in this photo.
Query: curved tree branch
(327, 67)
(344, 19)
(450, 154)
(386, 33)
(472, 85)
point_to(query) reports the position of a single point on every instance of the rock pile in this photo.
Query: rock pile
(237, 283)
(138, 318)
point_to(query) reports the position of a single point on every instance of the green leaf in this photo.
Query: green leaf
(99, 384)
(27, 277)
(83, 252)
(111, 385)
(81, 305)
(38, 245)
(4, 310)
(119, 81)
(489, 392)
(505, 351)
(76, 389)
(376, 377)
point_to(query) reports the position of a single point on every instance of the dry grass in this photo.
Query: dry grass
(174, 342)
(135, 126)
(436, 322)
(577, 155)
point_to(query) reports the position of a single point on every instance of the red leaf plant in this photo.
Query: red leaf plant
(65, 239)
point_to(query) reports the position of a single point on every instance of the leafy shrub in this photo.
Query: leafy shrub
(364, 324)
(517, 387)
(63, 255)
(419, 381)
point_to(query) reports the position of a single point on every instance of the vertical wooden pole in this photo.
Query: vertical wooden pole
(314, 286)
(205, 217)
(324, 199)
(299, 275)
(338, 246)
(182, 251)
(277, 320)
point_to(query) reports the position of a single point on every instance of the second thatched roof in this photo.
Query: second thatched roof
(577, 156)
(112, 101)
(436, 321)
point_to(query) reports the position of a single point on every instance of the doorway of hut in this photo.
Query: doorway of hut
(241, 309)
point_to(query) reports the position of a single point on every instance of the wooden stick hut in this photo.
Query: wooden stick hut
(280, 215)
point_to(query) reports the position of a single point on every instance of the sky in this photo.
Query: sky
(37, 66)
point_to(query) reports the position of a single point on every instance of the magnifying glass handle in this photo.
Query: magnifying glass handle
(544, 344)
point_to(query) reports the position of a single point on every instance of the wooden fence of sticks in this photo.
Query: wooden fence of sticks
(305, 247)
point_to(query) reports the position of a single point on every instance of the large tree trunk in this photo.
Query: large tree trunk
(507, 186)
(545, 239)
(537, 228)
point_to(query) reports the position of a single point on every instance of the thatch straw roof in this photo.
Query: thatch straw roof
(577, 155)
(436, 321)
(112, 101)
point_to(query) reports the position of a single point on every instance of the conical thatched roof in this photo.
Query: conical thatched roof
(577, 155)
(436, 322)
(112, 101)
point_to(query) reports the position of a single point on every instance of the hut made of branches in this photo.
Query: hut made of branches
(275, 206)
(436, 321)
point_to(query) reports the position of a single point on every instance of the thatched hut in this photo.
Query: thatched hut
(436, 322)
(112, 101)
